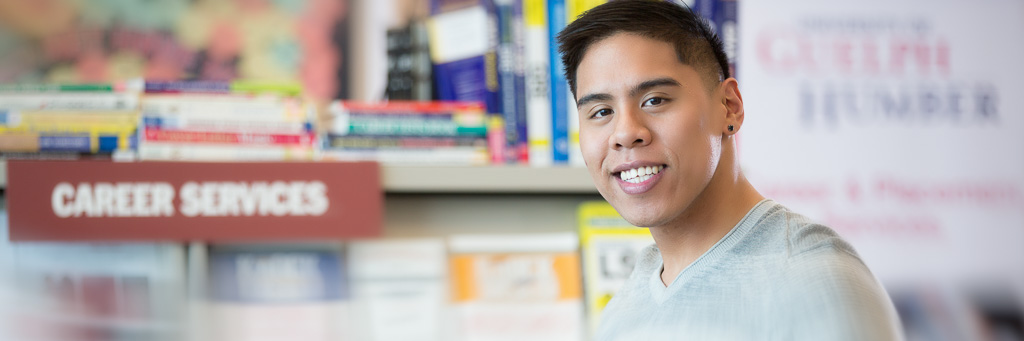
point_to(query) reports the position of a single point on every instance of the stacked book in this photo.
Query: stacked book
(400, 132)
(68, 120)
(215, 121)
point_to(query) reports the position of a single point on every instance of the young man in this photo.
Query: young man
(658, 117)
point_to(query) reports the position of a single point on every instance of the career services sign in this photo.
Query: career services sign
(897, 123)
(96, 200)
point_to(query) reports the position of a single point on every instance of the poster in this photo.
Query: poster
(898, 125)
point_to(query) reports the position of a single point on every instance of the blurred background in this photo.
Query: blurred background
(896, 123)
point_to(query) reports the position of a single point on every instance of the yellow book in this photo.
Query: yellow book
(70, 122)
(609, 245)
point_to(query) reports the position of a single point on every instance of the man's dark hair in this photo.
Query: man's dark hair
(695, 43)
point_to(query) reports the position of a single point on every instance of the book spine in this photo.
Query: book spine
(97, 87)
(68, 122)
(728, 30)
(225, 125)
(408, 119)
(458, 156)
(523, 140)
(406, 107)
(222, 87)
(559, 115)
(538, 106)
(492, 89)
(172, 151)
(506, 73)
(377, 142)
(83, 143)
(69, 101)
(185, 136)
(174, 87)
(575, 8)
(377, 125)
(227, 106)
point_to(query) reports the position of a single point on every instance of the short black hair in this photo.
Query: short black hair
(695, 42)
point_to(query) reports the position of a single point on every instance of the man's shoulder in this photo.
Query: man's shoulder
(802, 237)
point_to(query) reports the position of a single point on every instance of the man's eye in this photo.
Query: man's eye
(654, 101)
(601, 113)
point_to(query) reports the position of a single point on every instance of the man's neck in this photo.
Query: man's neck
(711, 216)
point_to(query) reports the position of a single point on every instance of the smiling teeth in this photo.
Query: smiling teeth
(640, 174)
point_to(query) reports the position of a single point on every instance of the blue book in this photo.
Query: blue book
(559, 86)
(728, 30)
(707, 9)
(512, 78)
(81, 143)
(277, 276)
(463, 47)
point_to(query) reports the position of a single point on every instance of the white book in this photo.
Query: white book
(538, 96)
(172, 151)
(399, 289)
(84, 101)
(226, 106)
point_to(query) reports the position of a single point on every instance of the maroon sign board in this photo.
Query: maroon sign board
(179, 201)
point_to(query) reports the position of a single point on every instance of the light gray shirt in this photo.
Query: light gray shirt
(775, 276)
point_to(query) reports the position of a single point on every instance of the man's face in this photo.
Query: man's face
(643, 111)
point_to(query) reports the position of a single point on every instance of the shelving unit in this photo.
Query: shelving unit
(471, 179)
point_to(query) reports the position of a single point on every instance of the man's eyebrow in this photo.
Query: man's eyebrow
(636, 90)
(593, 98)
(648, 85)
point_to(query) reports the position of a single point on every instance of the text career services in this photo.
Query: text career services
(197, 199)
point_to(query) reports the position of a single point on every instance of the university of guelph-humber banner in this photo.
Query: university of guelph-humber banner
(97, 200)
(898, 124)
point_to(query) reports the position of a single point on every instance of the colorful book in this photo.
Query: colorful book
(516, 287)
(610, 245)
(277, 293)
(399, 289)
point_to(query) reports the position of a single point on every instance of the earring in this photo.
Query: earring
(730, 128)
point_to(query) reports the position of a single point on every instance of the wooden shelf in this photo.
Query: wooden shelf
(472, 179)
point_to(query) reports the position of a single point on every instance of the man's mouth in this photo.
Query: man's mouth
(640, 174)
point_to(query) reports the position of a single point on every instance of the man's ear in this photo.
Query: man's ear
(732, 100)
